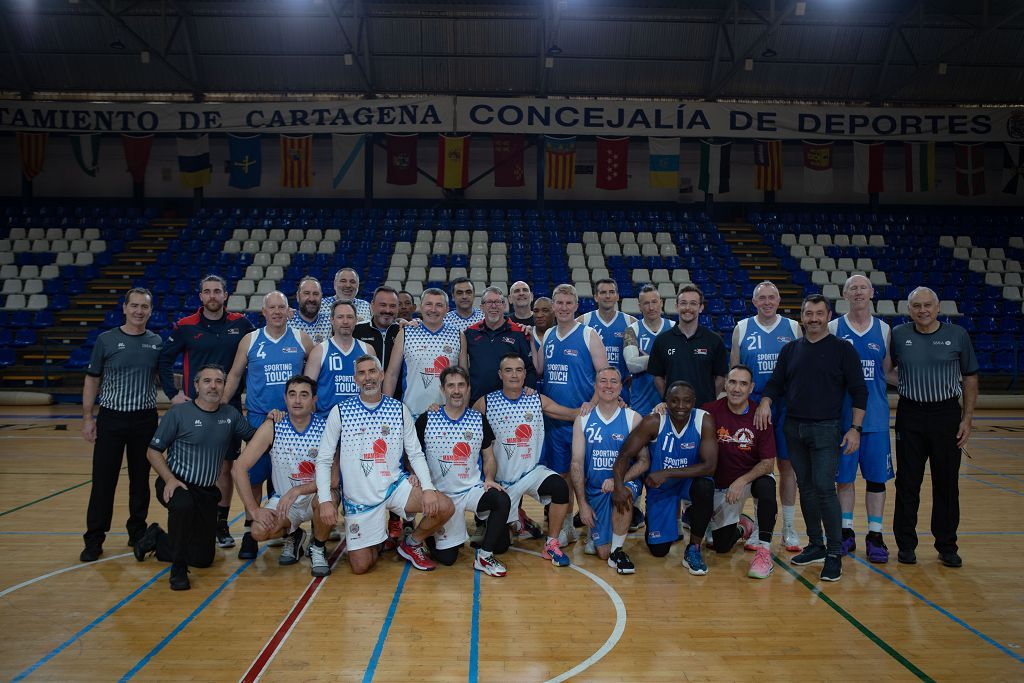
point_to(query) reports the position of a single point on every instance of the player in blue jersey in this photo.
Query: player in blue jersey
(267, 358)
(292, 444)
(636, 349)
(756, 342)
(870, 336)
(679, 453)
(596, 441)
(309, 316)
(464, 313)
(332, 362)
(567, 362)
(610, 324)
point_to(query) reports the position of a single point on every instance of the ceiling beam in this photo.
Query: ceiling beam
(21, 79)
(730, 8)
(190, 39)
(350, 47)
(737, 64)
(360, 9)
(894, 33)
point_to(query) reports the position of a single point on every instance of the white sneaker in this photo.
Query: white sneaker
(568, 534)
(318, 560)
(590, 548)
(791, 539)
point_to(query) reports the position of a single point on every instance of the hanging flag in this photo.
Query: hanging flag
(714, 167)
(194, 161)
(402, 167)
(612, 163)
(559, 162)
(347, 150)
(1013, 168)
(296, 160)
(868, 167)
(245, 163)
(452, 161)
(919, 166)
(86, 149)
(508, 160)
(817, 167)
(768, 165)
(664, 163)
(970, 168)
(136, 155)
(32, 148)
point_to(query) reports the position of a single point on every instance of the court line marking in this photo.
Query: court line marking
(25, 584)
(40, 500)
(998, 474)
(187, 620)
(613, 639)
(889, 650)
(474, 629)
(371, 666)
(941, 610)
(988, 483)
(93, 624)
(287, 625)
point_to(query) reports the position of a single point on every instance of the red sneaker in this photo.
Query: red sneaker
(417, 556)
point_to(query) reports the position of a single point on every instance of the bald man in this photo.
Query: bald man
(520, 299)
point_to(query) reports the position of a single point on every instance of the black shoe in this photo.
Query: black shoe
(833, 569)
(134, 538)
(91, 553)
(250, 548)
(907, 557)
(812, 554)
(638, 521)
(224, 537)
(577, 522)
(147, 543)
(179, 578)
(951, 559)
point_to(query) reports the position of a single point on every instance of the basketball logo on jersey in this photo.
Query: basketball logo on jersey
(306, 471)
(429, 374)
(377, 456)
(459, 457)
(521, 440)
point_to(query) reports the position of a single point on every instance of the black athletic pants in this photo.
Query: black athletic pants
(496, 537)
(762, 490)
(191, 525)
(926, 433)
(116, 433)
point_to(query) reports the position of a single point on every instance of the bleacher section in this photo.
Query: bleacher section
(64, 269)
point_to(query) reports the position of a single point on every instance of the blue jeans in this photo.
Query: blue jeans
(814, 453)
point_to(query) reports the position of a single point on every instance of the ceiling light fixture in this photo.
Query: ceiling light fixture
(116, 44)
(769, 53)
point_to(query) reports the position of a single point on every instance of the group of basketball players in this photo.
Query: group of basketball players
(364, 405)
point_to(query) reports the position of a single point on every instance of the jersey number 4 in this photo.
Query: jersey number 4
(260, 353)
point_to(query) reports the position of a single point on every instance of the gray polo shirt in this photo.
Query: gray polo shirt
(127, 364)
(197, 440)
(931, 367)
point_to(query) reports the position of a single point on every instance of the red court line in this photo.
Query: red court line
(284, 629)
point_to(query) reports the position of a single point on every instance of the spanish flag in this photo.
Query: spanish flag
(452, 161)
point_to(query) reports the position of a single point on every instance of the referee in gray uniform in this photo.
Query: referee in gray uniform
(123, 373)
(934, 366)
(197, 437)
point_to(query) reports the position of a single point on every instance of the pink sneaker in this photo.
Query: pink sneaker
(417, 556)
(553, 551)
(761, 566)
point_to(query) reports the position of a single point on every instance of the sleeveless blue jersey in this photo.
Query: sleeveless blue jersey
(604, 439)
(271, 364)
(674, 449)
(871, 349)
(760, 347)
(568, 369)
(643, 394)
(336, 381)
(612, 335)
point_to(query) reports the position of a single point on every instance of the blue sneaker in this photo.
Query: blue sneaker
(693, 561)
(554, 551)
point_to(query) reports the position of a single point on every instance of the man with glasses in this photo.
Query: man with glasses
(485, 343)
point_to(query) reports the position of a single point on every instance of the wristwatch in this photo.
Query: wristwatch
(860, 430)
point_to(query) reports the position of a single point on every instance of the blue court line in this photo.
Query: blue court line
(93, 624)
(187, 620)
(998, 474)
(988, 483)
(474, 629)
(941, 610)
(371, 667)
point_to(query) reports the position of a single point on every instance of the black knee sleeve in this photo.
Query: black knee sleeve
(763, 488)
(659, 549)
(725, 538)
(447, 556)
(875, 487)
(555, 488)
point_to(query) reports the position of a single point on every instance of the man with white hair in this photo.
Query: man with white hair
(870, 336)
(346, 287)
(935, 367)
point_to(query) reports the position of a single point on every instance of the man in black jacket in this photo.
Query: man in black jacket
(488, 341)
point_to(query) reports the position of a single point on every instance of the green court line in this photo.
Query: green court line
(40, 500)
(907, 664)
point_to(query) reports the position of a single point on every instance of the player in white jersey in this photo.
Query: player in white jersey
(454, 440)
(756, 342)
(309, 316)
(464, 314)
(346, 287)
(366, 436)
(293, 444)
(422, 352)
(332, 362)
(596, 441)
(517, 419)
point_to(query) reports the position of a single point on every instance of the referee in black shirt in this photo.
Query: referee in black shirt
(814, 374)
(197, 437)
(122, 372)
(935, 367)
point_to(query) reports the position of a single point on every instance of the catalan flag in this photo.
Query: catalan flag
(452, 161)
(768, 165)
(296, 161)
(32, 149)
(919, 169)
(560, 162)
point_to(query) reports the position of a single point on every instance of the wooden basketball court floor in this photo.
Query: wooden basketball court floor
(116, 619)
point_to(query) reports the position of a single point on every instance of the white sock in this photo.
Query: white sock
(409, 540)
(480, 552)
(788, 513)
(618, 540)
(551, 538)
